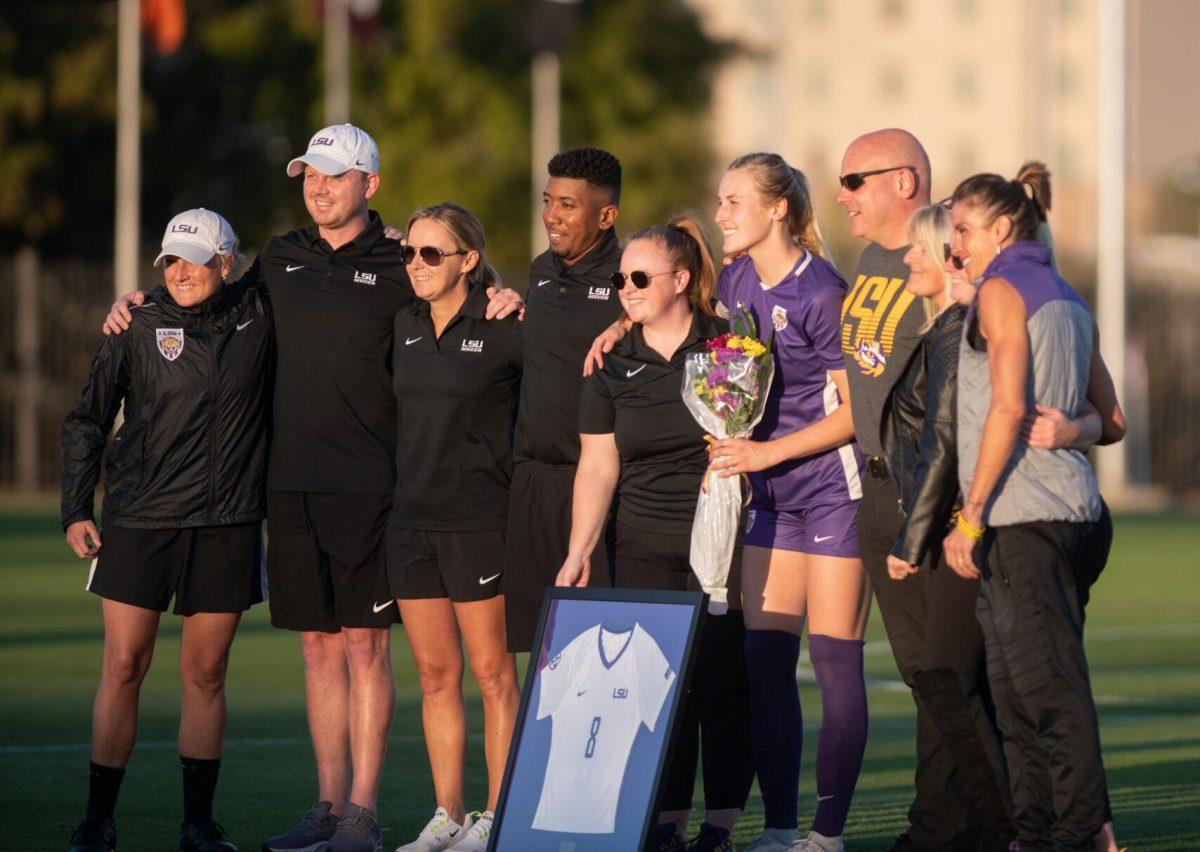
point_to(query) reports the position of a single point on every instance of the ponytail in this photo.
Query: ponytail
(1025, 200)
(777, 180)
(687, 248)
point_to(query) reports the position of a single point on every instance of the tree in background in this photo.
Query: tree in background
(444, 88)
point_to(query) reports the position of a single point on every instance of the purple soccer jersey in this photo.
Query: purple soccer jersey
(804, 310)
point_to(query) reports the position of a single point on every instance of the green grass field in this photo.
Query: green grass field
(1143, 643)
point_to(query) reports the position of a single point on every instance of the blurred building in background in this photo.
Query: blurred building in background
(984, 85)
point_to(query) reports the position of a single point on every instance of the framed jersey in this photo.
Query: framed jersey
(597, 714)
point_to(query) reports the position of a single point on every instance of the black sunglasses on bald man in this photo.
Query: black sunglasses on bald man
(855, 180)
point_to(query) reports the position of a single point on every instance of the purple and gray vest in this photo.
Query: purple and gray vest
(1037, 485)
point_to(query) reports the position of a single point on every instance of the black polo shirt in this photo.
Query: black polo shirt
(638, 398)
(334, 413)
(457, 398)
(566, 308)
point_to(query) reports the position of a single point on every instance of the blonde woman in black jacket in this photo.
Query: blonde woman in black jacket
(184, 499)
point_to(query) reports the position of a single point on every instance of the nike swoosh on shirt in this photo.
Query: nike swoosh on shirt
(291, 268)
(242, 325)
(484, 582)
(824, 798)
(629, 374)
(581, 692)
(408, 342)
(543, 282)
(820, 538)
(381, 607)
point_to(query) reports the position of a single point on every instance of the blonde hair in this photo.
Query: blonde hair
(931, 228)
(466, 230)
(686, 248)
(775, 179)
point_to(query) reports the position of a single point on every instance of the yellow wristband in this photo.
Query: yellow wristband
(969, 531)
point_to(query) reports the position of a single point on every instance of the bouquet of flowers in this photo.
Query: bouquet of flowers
(725, 389)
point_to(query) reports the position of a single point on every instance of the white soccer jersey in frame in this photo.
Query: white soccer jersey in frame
(598, 691)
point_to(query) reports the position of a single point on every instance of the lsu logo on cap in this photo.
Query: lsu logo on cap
(183, 228)
(779, 317)
(170, 342)
(320, 140)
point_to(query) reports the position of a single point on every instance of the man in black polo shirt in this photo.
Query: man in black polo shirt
(570, 300)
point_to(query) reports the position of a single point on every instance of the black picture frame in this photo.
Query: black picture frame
(676, 617)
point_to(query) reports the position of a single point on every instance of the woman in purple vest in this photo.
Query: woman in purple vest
(801, 561)
(1028, 511)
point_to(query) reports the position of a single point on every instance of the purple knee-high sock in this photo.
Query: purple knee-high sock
(776, 726)
(838, 666)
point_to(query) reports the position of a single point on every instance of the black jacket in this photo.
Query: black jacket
(196, 383)
(919, 437)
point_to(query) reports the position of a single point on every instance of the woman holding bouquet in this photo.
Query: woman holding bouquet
(639, 438)
(456, 376)
(801, 560)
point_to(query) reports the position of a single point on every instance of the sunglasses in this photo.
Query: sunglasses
(855, 180)
(640, 279)
(430, 255)
(949, 256)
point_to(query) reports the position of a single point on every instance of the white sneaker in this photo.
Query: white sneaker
(772, 840)
(439, 833)
(476, 838)
(819, 843)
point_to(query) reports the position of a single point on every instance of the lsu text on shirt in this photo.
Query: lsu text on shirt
(335, 413)
(566, 308)
(457, 400)
(880, 330)
(598, 691)
(802, 311)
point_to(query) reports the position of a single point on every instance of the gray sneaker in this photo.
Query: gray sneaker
(310, 834)
(357, 831)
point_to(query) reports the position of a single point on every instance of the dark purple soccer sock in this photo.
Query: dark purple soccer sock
(776, 726)
(838, 666)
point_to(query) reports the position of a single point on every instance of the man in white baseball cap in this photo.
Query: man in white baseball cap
(337, 149)
(197, 235)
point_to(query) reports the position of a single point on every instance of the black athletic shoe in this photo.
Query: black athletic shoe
(711, 839)
(95, 834)
(357, 831)
(310, 834)
(204, 835)
(664, 839)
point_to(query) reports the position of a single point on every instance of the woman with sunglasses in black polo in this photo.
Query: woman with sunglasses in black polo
(639, 440)
(456, 376)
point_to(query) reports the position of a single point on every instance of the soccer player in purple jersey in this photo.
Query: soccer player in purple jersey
(801, 560)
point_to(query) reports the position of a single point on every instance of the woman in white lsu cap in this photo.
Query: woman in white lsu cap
(183, 504)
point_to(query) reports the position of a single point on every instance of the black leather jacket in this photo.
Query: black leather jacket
(919, 437)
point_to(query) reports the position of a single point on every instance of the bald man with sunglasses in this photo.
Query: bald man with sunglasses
(885, 177)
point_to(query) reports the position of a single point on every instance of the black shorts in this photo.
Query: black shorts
(206, 569)
(658, 560)
(326, 559)
(539, 529)
(462, 565)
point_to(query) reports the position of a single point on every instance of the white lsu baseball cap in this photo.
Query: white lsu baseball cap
(337, 149)
(197, 235)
